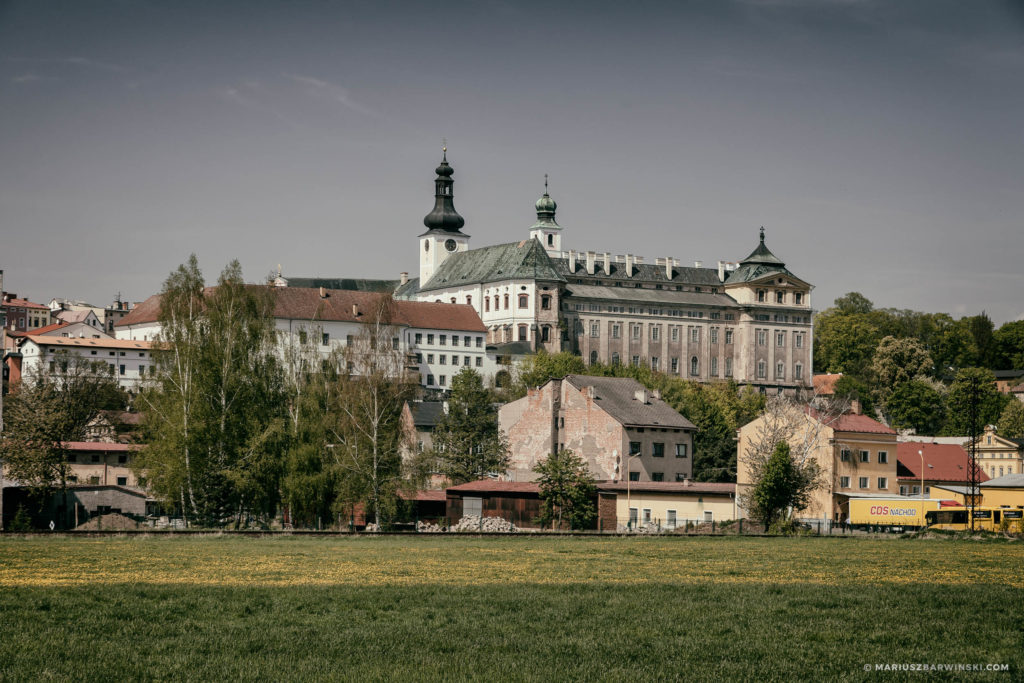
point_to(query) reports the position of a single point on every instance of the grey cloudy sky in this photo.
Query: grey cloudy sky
(879, 143)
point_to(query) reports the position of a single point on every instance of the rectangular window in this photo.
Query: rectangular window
(655, 332)
(799, 298)
(442, 359)
(780, 338)
(728, 367)
(479, 342)
(714, 367)
(430, 359)
(636, 360)
(455, 340)
(636, 331)
(658, 450)
(122, 481)
(798, 340)
(728, 336)
(670, 519)
(655, 363)
(863, 482)
(394, 343)
(430, 339)
(883, 483)
(844, 482)
(122, 369)
(865, 456)
(798, 371)
(780, 297)
(325, 338)
(762, 338)
(675, 365)
(694, 335)
(634, 447)
(616, 331)
(634, 476)
(844, 455)
(709, 516)
(595, 329)
(466, 360)
(883, 457)
(430, 380)
(680, 450)
(442, 340)
(657, 476)
(479, 361)
(455, 360)
(675, 333)
(442, 380)
(714, 335)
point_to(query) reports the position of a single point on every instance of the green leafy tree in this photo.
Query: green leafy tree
(982, 331)
(990, 402)
(1011, 422)
(567, 491)
(845, 342)
(781, 488)
(366, 426)
(468, 444)
(1009, 342)
(853, 303)
(541, 367)
(848, 389)
(951, 345)
(215, 419)
(50, 409)
(917, 404)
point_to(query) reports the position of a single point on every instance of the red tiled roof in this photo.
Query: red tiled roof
(100, 446)
(669, 487)
(825, 384)
(1019, 389)
(852, 422)
(492, 486)
(337, 305)
(942, 462)
(108, 343)
(24, 303)
(50, 328)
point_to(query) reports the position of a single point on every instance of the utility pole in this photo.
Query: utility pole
(974, 429)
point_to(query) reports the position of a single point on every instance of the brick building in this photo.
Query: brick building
(603, 420)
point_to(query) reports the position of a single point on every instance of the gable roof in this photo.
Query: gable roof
(46, 329)
(345, 283)
(513, 261)
(21, 303)
(338, 305)
(942, 462)
(852, 422)
(426, 413)
(825, 384)
(108, 343)
(617, 397)
(76, 316)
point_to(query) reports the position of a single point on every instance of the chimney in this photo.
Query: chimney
(606, 257)
(355, 310)
(323, 293)
(403, 277)
(655, 394)
(572, 261)
(721, 271)
(669, 262)
(640, 395)
(591, 392)
(590, 262)
(855, 407)
(629, 265)
(698, 264)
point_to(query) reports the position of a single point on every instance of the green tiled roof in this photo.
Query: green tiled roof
(761, 263)
(513, 261)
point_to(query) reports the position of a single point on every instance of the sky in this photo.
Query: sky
(880, 144)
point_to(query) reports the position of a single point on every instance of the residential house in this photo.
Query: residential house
(856, 455)
(619, 428)
(998, 455)
(22, 315)
(663, 505)
(130, 362)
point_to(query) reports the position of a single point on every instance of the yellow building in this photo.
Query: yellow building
(664, 505)
(1006, 491)
(856, 454)
(997, 455)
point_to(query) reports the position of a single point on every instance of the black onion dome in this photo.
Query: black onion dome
(444, 216)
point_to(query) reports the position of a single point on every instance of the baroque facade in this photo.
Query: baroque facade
(750, 321)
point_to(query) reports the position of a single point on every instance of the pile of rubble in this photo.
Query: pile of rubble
(428, 528)
(486, 525)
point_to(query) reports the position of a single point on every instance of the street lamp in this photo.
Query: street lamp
(920, 453)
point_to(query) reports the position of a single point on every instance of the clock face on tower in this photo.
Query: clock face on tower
(450, 245)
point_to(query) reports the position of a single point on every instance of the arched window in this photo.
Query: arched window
(593, 357)
(522, 333)
(487, 305)
(496, 302)
(524, 301)
(502, 378)
(506, 302)
(694, 365)
(469, 300)
(551, 240)
(453, 299)
(762, 369)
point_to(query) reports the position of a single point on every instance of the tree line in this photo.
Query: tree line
(912, 369)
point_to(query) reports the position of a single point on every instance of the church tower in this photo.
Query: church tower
(546, 230)
(443, 235)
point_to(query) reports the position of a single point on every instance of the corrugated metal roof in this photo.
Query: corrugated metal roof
(494, 486)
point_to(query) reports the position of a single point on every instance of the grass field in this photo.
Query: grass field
(424, 608)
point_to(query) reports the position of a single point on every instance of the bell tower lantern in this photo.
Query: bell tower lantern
(443, 235)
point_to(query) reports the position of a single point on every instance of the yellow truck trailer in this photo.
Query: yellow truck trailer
(891, 511)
